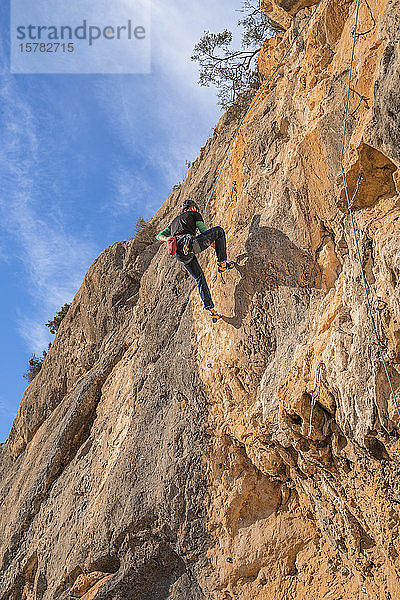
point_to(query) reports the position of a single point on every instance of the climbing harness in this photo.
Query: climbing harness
(355, 35)
(316, 390)
(254, 102)
(186, 244)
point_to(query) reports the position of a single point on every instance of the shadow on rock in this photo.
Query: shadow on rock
(271, 260)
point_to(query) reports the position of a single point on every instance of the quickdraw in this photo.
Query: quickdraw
(355, 35)
(359, 180)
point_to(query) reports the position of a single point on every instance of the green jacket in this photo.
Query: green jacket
(167, 231)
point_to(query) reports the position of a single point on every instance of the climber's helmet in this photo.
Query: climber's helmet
(189, 204)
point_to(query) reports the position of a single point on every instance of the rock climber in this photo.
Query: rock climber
(184, 244)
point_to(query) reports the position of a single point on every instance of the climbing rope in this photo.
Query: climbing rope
(355, 35)
(254, 102)
(316, 390)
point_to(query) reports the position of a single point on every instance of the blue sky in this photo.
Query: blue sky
(82, 157)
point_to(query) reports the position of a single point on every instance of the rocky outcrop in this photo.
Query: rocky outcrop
(157, 456)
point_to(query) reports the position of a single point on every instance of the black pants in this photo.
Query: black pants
(197, 245)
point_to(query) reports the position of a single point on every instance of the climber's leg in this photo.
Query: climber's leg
(197, 272)
(204, 240)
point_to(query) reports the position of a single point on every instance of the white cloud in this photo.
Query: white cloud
(7, 414)
(177, 27)
(54, 260)
(4, 256)
(188, 112)
(5, 410)
(131, 188)
(181, 112)
(34, 334)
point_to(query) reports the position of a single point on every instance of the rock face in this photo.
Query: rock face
(159, 457)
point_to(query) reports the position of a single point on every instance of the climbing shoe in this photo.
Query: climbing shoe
(214, 315)
(226, 267)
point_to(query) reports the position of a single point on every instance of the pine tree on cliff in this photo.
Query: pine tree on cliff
(35, 363)
(234, 71)
(55, 322)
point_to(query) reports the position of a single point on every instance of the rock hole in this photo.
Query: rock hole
(284, 126)
(376, 448)
(377, 182)
(295, 419)
(30, 568)
(106, 564)
(341, 442)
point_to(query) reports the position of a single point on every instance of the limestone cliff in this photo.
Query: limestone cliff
(159, 457)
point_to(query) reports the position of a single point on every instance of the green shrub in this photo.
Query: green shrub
(234, 70)
(144, 231)
(35, 363)
(55, 323)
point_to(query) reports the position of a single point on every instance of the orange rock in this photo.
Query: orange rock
(169, 457)
(85, 582)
